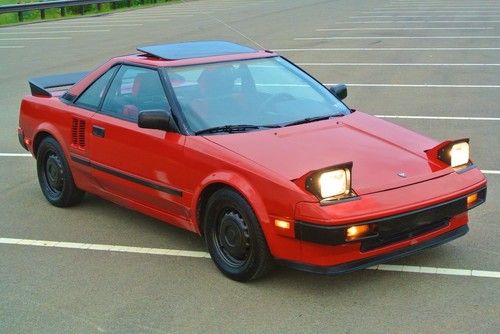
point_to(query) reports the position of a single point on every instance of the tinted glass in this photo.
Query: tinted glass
(267, 91)
(134, 89)
(94, 93)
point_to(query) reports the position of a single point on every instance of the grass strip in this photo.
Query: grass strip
(74, 11)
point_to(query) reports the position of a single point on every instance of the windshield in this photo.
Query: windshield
(261, 92)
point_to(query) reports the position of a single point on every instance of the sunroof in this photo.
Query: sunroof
(196, 49)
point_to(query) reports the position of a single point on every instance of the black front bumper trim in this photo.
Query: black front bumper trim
(390, 229)
(369, 262)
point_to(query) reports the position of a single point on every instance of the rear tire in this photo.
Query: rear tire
(54, 175)
(234, 237)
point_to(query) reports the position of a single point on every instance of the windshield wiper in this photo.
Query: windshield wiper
(235, 128)
(312, 119)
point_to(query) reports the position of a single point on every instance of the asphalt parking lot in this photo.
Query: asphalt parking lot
(432, 66)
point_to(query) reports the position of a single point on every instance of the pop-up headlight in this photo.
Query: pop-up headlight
(456, 153)
(331, 183)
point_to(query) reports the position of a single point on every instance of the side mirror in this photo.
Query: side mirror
(156, 119)
(340, 91)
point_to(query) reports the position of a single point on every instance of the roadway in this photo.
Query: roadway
(409, 61)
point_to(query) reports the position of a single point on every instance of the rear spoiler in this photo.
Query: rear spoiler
(40, 85)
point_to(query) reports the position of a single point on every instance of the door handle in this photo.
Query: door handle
(98, 131)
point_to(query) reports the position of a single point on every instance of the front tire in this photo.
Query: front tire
(54, 175)
(234, 238)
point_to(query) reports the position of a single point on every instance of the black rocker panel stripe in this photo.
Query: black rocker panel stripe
(124, 176)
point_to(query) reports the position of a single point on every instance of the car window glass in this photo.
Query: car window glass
(134, 89)
(273, 78)
(94, 93)
(267, 91)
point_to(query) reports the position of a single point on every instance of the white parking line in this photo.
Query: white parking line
(198, 254)
(426, 16)
(393, 37)
(119, 20)
(59, 26)
(430, 11)
(384, 49)
(436, 271)
(51, 32)
(149, 16)
(406, 2)
(455, 118)
(394, 64)
(101, 247)
(11, 46)
(443, 5)
(177, 12)
(15, 154)
(33, 38)
(404, 28)
(438, 7)
(488, 171)
(422, 21)
(417, 85)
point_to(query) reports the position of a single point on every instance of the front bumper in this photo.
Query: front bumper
(368, 262)
(393, 228)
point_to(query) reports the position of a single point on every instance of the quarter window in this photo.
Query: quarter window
(134, 89)
(92, 96)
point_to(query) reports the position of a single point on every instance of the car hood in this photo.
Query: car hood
(384, 155)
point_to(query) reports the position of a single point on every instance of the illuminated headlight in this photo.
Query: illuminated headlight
(459, 154)
(331, 183)
(456, 153)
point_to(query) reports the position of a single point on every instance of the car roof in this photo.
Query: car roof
(177, 54)
(195, 49)
(194, 52)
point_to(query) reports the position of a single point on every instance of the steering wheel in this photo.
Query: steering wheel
(269, 103)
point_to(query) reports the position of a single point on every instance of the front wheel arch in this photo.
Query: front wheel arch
(230, 180)
(202, 202)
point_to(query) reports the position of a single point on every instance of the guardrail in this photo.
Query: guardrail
(42, 6)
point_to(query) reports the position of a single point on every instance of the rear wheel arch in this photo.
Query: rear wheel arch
(39, 137)
(54, 174)
(48, 130)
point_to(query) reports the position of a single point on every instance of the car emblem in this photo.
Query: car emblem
(402, 174)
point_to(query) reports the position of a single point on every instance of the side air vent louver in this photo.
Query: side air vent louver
(74, 132)
(81, 133)
(78, 133)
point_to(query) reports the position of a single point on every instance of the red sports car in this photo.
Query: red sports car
(245, 148)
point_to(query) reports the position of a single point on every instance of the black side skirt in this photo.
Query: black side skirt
(365, 263)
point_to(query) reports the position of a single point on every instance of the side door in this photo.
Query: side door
(134, 164)
(81, 113)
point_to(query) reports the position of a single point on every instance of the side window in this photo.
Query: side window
(134, 89)
(92, 96)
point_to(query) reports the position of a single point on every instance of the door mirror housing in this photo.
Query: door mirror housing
(156, 119)
(340, 91)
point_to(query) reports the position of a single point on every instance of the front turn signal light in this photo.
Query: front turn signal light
(283, 224)
(471, 200)
(358, 232)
